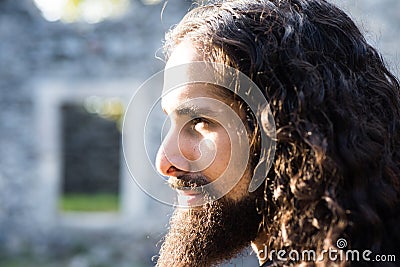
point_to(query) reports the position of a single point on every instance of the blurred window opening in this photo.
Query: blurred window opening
(91, 157)
(90, 11)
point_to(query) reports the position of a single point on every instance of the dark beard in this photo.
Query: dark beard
(211, 234)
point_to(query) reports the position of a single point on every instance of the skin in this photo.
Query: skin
(182, 150)
(188, 137)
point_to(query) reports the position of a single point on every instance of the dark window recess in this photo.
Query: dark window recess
(91, 152)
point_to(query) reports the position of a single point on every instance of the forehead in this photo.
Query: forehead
(183, 55)
(201, 95)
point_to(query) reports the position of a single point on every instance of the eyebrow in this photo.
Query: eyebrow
(193, 111)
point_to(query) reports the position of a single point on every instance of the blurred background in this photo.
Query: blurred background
(67, 71)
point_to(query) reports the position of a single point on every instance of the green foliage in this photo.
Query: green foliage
(89, 202)
(90, 11)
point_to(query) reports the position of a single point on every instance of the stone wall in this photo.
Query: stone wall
(379, 21)
(34, 51)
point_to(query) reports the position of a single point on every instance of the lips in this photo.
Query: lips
(188, 193)
(190, 197)
(189, 188)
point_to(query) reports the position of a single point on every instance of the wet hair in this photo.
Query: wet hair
(336, 106)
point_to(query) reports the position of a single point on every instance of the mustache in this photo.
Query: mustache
(192, 181)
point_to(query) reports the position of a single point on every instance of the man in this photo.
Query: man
(335, 175)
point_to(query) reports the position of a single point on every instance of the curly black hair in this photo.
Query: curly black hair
(336, 106)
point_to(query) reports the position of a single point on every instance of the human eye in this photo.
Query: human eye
(199, 124)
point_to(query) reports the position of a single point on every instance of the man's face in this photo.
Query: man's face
(207, 140)
(205, 144)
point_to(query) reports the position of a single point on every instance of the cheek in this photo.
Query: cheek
(222, 155)
(189, 147)
(221, 163)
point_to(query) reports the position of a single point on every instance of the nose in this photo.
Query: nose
(170, 161)
(164, 165)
